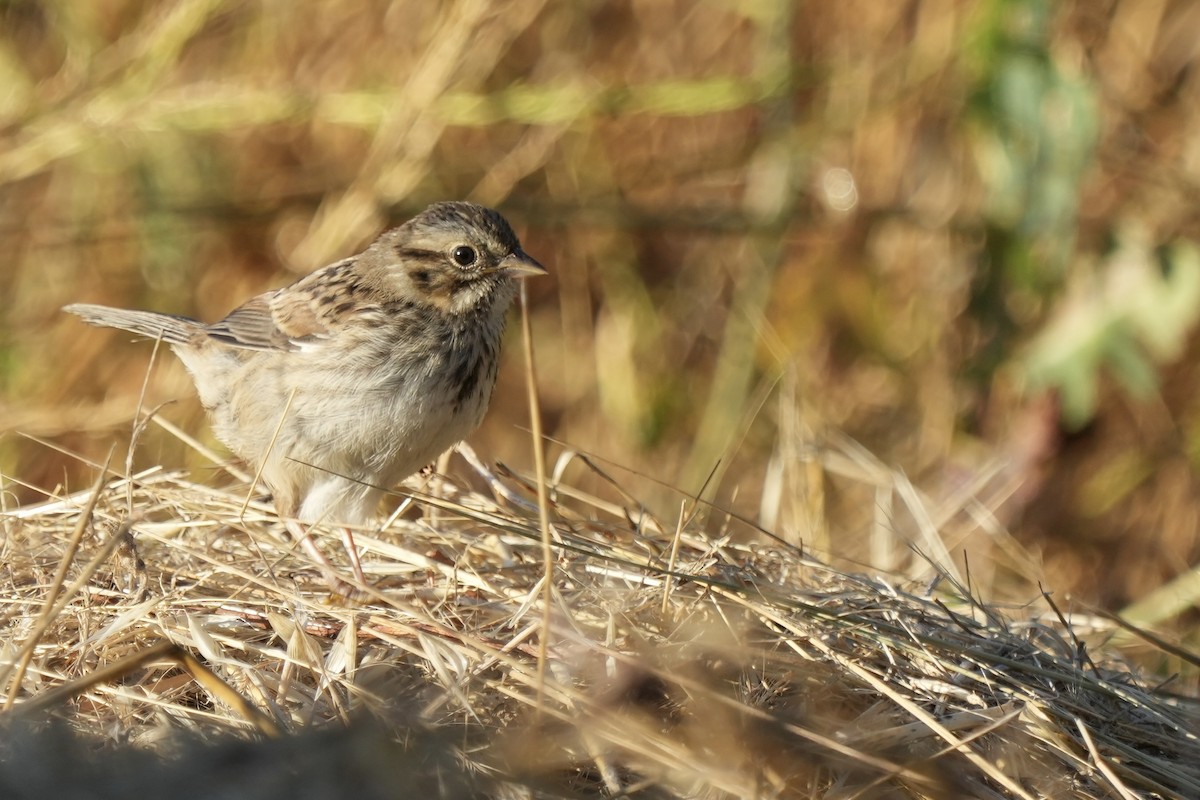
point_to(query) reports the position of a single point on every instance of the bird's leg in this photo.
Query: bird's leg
(339, 586)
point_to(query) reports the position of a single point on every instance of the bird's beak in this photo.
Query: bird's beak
(520, 264)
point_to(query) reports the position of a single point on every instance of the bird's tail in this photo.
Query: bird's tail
(170, 328)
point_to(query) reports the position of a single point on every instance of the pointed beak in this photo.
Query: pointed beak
(520, 264)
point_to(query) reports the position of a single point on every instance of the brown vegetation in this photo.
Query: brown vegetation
(911, 285)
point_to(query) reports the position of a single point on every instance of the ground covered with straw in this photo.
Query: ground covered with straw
(183, 644)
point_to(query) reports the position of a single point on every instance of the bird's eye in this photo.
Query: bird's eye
(464, 256)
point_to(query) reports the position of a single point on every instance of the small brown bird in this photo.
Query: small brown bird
(368, 368)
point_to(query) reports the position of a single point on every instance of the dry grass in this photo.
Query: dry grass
(937, 225)
(681, 662)
(907, 210)
(956, 231)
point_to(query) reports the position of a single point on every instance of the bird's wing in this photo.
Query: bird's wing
(306, 312)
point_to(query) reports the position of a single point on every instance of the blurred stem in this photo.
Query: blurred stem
(720, 424)
(768, 199)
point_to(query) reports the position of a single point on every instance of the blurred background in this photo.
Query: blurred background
(810, 260)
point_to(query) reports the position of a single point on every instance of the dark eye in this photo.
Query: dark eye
(464, 256)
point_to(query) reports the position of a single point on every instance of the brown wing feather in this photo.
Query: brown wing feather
(251, 325)
(281, 320)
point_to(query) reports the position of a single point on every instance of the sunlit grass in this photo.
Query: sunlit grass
(769, 226)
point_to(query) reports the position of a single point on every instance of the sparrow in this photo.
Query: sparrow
(339, 386)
